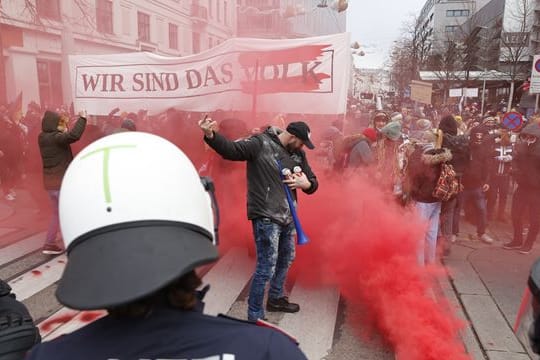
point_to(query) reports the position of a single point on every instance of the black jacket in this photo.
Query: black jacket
(266, 194)
(55, 149)
(459, 147)
(526, 163)
(424, 170)
(17, 331)
(476, 173)
(167, 333)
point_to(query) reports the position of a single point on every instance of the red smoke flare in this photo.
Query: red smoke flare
(364, 243)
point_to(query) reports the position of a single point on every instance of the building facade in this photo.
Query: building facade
(37, 35)
(277, 19)
(439, 20)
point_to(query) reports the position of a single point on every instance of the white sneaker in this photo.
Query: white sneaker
(9, 197)
(486, 238)
(453, 238)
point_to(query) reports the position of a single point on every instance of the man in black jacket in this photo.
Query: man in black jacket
(476, 179)
(273, 228)
(526, 200)
(54, 146)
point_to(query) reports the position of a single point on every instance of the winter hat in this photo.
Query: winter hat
(396, 116)
(370, 133)
(392, 130)
(448, 125)
(424, 125)
(128, 124)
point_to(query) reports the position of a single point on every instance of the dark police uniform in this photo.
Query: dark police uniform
(170, 334)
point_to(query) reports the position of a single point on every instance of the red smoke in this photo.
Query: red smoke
(364, 243)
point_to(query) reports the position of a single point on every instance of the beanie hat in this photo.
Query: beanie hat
(392, 130)
(448, 125)
(129, 125)
(424, 124)
(396, 116)
(370, 133)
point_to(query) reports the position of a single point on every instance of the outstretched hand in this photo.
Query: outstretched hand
(208, 126)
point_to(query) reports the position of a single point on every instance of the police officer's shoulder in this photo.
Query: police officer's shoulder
(262, 324)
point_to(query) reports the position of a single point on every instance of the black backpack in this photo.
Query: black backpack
(17, 330)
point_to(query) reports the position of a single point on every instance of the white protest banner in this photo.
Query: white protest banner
(308, 75)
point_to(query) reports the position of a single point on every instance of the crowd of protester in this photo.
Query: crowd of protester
(406, 151)
(491, 164)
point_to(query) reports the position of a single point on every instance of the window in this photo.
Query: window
(104, 16)
(210, 42)
(225, 20)
(49, 80)
(144, 26)
(210, 9)
(457, 13)
(49, 9)
(218, 13)
(173, 36)
(196, 42)
(451, 28)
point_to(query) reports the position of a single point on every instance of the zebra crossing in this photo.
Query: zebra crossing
(315, 326)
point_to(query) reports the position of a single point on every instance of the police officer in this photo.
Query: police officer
(17, 330)
(137, 221)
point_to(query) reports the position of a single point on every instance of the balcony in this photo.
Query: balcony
(199, 14)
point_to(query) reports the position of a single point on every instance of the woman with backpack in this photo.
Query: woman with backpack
(423, 173)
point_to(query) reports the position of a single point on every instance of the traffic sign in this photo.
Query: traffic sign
(512, 121)
(535, 76)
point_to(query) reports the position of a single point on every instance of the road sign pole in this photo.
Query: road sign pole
(536, 103)
(483, 92)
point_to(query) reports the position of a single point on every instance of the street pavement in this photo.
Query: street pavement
(484, 286)
(489, 283)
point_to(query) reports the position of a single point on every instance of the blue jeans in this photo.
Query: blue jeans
(478, 199)
(275, 254)
(54, 224)
(427, 250)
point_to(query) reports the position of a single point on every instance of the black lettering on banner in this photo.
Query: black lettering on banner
(138, 83)
(226, 70)
(309, 71)
(190, 80)
(90, 80)
(211, 75)
(172, 82)
(117, 80)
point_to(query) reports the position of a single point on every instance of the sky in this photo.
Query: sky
(375, 24)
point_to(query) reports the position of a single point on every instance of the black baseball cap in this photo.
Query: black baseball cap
(301, 130)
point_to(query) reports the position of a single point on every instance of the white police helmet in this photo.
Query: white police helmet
(134, 216)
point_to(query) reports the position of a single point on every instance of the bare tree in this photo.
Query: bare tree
(515, 55)
(445, 63)
(409, 54)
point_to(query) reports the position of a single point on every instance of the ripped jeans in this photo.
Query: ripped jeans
(275, 254)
